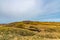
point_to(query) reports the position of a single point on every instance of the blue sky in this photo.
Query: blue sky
(36, 10)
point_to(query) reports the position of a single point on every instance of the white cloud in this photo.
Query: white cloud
(26, 9)
(52, 20)
(52, 7)
(18, 7)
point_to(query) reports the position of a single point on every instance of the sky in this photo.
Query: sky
(35, 10)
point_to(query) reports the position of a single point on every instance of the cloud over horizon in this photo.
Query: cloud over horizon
(14, 10)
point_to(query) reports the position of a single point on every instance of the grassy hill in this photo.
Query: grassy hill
(30, 30)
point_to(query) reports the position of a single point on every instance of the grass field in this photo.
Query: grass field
(30, 30)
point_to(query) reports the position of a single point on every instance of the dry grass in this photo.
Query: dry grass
(29, 30)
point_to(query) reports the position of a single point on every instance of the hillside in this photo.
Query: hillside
(30, 30)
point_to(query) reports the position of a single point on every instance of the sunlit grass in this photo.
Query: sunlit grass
(30, 31)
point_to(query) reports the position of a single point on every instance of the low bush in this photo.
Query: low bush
(32, 28)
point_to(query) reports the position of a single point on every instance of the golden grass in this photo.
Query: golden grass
(30, 31)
